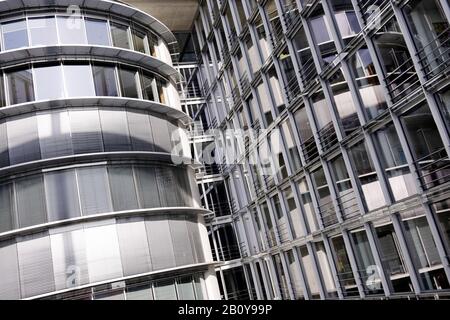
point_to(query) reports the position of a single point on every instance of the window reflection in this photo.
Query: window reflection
(15, 35)
(71, 30)
(42, 31)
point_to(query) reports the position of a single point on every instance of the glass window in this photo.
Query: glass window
(49, 82)
(325, 270)
(10, 285)
(169, 189)
(161, 134)
(424, 254)
(71, 30)
(394, 162)
(43, 31)
(128, 83)
(115, 130)
(148, 87)
(35, 265)
(308, 205)
(123, 191)
(79, 80)
(140, 41)
(140, 131)
(294, 213)
(15, 35)
(133, 244)
(422, 132)
(291, 145)
(160, 242)
(120, 36)
(344, 188)
(20, 85)
(368, 83)
(165, 290)
(6, 208)
(367, 176)
(30, 196)
(429, 27)
(326, 205)
(23, 140)
(54, 134)
(185, 288)
(295, 275)
(160, 85)
(366, 263)
(426, 146)
(2, 92)
(97, 32)
(139, 292)
(86, 131)
(392, 259)
(181, 241)
(94, 190)
(308, 144)
(105, 80)
(344, 270)
(62, 195)
(69, 258)
(147, 187)
(308, 272)
(102, 252)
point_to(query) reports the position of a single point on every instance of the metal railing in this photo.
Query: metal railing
(435, 55)
(402, 80)
(433, 169)
(327, 137)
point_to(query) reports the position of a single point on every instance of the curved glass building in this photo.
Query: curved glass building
(92, 205)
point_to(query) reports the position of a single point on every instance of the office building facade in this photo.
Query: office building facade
(340, 109)
(93, 205)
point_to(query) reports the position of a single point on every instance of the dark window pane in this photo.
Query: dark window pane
(148, 87)
(23, 140)
(140, 40)
(128, 83)
(6, 207)
(120, 36)
(31, 201)
(62, 195)
(123, 190)
(105, 81)
(86, 131)
(94, 190)
(115, 130)
(20, 84)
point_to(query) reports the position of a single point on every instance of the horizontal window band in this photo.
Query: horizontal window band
(10, 235)
(57, 53)
(7, 7)
(155, 108)
(92, 159)
(150, 276)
